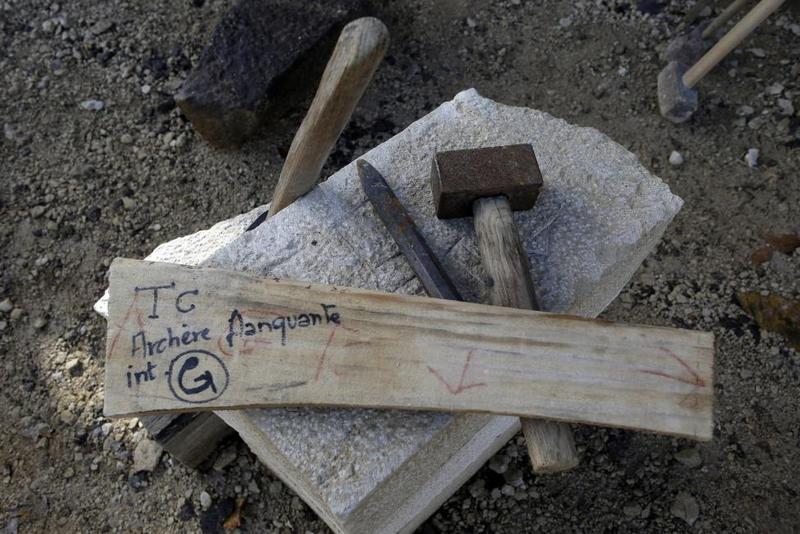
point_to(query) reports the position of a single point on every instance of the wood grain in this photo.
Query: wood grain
(358, 53)
(551, 446)
(335, 346)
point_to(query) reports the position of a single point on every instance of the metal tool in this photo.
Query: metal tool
(405, 233)
(490, 183)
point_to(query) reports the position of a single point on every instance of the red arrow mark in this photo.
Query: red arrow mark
(693, 379)
(460, 387)
(322, 356)
(124, 322)
(222, 350)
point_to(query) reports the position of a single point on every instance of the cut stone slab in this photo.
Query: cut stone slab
(253, 44)
(598, 215)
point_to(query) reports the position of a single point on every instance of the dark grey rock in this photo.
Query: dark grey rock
(675, 101)
(253, 45)
(686, 48)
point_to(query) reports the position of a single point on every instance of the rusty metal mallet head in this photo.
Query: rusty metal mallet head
(460, 177)
(490, 183)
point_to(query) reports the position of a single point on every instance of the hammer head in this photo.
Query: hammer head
(459, 177)
(676, 101)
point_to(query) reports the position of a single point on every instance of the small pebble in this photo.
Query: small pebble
(676, 159)
(786, 106)
(92, 105)
(632, 510)
(39, 323)
(126, 139)
(16, 314)
(74, 367)
(128, 203)
(774, 89)
(685, 507)
(690, 457)
(499, 463)
(205, 500)
(745, 111)
(146, 455)
(752, 157)
(6, 306)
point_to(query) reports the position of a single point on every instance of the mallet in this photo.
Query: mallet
(677, 99)
(489, 183)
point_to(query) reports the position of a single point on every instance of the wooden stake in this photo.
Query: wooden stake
(184, 339)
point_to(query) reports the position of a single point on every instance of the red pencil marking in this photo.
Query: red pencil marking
(355, 343)
(246, 350)
(119, 326)
(322, 356)
(693, 380)
(460, 387)
(139, 319)
(219, 346)
(690, 401)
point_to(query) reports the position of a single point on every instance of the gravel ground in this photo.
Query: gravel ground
(97, 163)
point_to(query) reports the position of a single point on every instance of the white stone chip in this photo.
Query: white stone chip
(751, 158)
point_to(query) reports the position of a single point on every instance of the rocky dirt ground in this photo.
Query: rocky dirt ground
(97, 163)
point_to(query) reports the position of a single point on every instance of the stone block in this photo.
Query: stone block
(598, 215)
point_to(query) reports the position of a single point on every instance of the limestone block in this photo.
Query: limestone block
(598, 215)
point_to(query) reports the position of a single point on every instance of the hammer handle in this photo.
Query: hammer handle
(359, 50)
(724, 17)
(550, 444)
(730, 40)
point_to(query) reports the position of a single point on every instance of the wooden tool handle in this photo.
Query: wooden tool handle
(358, 52)
(550, 444)
(730, 41)
(724, 17)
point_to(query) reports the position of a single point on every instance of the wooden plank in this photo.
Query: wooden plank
(187, 339)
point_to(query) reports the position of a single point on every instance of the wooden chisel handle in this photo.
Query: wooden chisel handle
(359, 50)
(550, 444)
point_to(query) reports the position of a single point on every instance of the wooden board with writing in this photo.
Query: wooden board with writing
(189, 339)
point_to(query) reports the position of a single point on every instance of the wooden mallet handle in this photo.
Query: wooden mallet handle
(550, 444)
(359, 50)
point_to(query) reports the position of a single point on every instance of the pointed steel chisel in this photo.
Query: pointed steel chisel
(405, 233)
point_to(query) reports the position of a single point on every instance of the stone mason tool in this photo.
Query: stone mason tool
(360, 49)
(438, 285)
(677, 98)
(489, 183)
